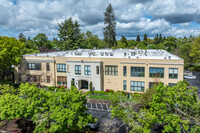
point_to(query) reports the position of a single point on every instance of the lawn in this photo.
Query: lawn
(100, 97)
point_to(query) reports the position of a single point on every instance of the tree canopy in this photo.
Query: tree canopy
(11, 51)
(171, 109)
(109, 30)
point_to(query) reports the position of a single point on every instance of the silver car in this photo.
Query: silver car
(190, 77)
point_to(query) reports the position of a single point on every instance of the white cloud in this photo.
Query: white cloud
(36, 16)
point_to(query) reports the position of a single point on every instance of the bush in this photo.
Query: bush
(90, 86)
(100, 92)
(61, 88)
(147, 97)
(111, 91)
(87, 93)
(107, 90)
(51, 88)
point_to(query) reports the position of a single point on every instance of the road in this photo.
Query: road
(195, 83)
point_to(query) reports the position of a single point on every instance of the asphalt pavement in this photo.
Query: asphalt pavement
(195, 83)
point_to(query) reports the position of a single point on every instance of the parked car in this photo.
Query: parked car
(190, 77)
(93, 125)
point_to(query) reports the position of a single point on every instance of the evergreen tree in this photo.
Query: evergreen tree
(138, 38)
(22, 38)
(145, 37)
(69, 34)
(109, 30)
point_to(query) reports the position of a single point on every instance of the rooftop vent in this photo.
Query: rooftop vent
(133, 53)
(106, 53)
(125, 54)
(111, 54)
(169, 57)
(102, 53)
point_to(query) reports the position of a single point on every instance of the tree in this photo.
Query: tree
(30, 47)
(145, 37)
(138, 38)
(122, 43)
(109, 30)
(50, 111)
(172, 109)
(69, 34)
(195, 50)
(42, 41)
(22, 38)
(10, 53)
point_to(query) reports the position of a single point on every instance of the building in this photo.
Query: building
(118, 69)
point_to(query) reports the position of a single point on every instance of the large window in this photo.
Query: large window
(37, 78)
(173, 73)
(47, 67)
(33, 66)
(61, 80)
(78, 69)
(97, 69)
(156, 72)
(87, 70)
(137, 72)
(124, 85)
(111, 70)
(61, 67)
(48, 79)
(124, 71)
(137, 86)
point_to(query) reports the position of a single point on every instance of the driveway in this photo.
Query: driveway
(195, 83)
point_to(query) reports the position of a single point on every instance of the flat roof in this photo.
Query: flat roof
(111, 53)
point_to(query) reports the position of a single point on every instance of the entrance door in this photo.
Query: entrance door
(83, 84)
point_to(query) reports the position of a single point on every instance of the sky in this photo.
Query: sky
(177, 18)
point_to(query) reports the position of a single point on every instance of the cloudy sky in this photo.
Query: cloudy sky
(177, 18)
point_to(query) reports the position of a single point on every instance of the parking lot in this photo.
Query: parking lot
(195, 83)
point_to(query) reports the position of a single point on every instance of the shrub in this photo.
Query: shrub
(100, 92)
(90, 86)
(72, 83)
(111, 91)
(107, 90)
(87, 93)
(147, 97)
(51, 88)
(62, 88)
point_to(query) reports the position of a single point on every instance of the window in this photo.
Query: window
(61, 80)
(97, 69)
(47, 67)
(61, 67)
(137, 72)
(87, 70)
(20, 77)
(34, 66)
(156, 72)
(124, 70)
(173, 73)
(111, 70)
(48, 79)
(171, 84)
(78, 69)
(124, 85)
(37, 78)
(137, 86)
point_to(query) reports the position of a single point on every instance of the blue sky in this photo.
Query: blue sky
(177, 18)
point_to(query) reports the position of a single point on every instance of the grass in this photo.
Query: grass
(100, 97)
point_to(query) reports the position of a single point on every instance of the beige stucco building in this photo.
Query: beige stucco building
(118, 69)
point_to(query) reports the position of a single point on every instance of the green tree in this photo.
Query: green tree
(30, 47)
(195, 50)
(69, 34)
(42, 41)
(145, 37)
(10, 53)
(109, 30)
(22, 38)
(172, 108)
(138, 38)
(122, 43)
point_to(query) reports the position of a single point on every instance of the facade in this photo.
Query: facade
(131, 70)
